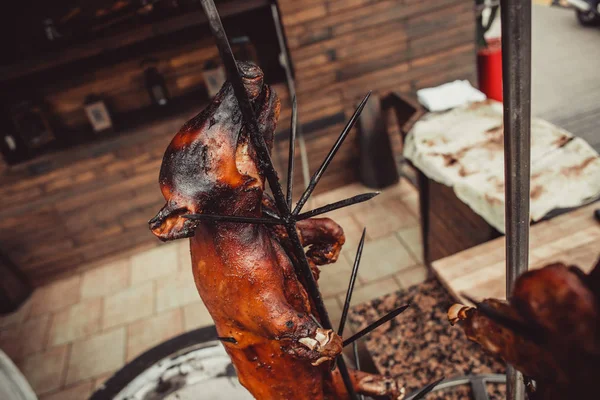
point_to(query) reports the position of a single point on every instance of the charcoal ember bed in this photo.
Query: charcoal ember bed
(420, 346)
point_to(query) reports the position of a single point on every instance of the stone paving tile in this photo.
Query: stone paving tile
(146, 333)
(157, 262)
(352, 232)
(185, 259)
(99, 380)
(79, 391)
(44, 371)
(195, 315)
(381, 221)
(382, 258)
(411, 202)
(176, 290)
(412, 276)
(411, 237)
(334, 278)
(10, 342)
(334, 309)
(34, 333)
(107, 279)
(341, 193)
(96, 355)
(76, 322)
(55, 296)
(129, 305)
(401, 209)
(16, 317)
(372, 290)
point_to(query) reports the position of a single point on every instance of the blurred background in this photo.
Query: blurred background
(92, 91)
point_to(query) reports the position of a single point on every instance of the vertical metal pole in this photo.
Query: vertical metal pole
(287, 66)
(516, 72)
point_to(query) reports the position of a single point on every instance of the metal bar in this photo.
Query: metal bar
(233, 76)
(286, 62)
(227, 339)
(292, 148)
(425, 390)
(516, 70)
(233, 218)
(336, 146)
(357, 363)
(356, 357)
(337, 205)
(353, 275)
(388, 317)
(315, 295)
(479, 389)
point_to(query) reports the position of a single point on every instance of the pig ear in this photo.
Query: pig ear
(169, 224)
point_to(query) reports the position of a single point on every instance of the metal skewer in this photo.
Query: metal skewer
(388, 317)
(338, 143)
(357, 362)
(337, 205)
(290, 174)
(516, 70)
(286, 63)
(350, 290)
(233, 218)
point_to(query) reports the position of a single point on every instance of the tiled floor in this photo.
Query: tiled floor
(73, 334)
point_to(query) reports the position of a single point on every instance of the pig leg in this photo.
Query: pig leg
(324, 238)
(299, 333)
(322, 235)
(368, 384)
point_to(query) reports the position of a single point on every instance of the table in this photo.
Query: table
(459, 156)
(573, 238)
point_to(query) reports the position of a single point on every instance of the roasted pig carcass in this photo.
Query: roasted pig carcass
(550, 330)
(242, 271)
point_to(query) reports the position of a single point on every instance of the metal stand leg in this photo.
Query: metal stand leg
(516, 71)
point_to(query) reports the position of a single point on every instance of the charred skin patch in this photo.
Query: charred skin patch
(211, 157)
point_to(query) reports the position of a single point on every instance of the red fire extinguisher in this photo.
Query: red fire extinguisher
(489, 69)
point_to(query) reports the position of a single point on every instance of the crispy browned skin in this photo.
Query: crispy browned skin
(243, 272)
(560, 349)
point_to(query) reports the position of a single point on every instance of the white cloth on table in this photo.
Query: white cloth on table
(449, 95)
(463, 149)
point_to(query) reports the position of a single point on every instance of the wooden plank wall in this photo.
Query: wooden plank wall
(341, 49)
(63, 213)
(85, 207)
(122, 84)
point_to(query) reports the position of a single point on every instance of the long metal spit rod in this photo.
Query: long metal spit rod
(302, 266)
(516, 72)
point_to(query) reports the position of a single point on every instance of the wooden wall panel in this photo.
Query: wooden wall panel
(122, 84)
(85, 210)
(61, 214)
(379, 45)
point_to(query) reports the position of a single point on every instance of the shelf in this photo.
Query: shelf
(130, 126)
(103, 45)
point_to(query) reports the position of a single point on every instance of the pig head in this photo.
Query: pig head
(211, 166)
